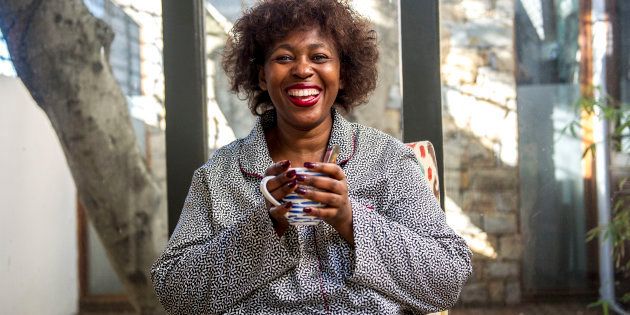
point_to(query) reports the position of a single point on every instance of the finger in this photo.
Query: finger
(327, 198)
(323, 183)
(284, 190)
(331, 169)
(322, 213)
(278, 167)
(278, 212)
(280, 180)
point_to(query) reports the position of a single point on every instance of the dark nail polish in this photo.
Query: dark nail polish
(290, 174)
(288, 205)
(300, 177)
(307, 210)
(300, 191)
(309, 164)
(292, 184)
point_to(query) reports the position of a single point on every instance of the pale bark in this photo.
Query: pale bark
(58, 49)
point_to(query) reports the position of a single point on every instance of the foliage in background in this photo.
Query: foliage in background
(618, 231)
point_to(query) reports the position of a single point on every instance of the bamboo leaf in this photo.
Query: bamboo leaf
(591, 149)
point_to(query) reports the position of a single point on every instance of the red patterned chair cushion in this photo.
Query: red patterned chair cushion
(426, 156)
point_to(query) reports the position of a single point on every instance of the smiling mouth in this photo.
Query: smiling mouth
(304, 97)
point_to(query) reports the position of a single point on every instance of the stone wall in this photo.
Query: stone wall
(480, 140)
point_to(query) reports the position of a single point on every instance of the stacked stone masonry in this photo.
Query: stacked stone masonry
(480, 139)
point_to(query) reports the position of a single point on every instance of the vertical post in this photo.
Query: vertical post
(185, 98)
(422, 99)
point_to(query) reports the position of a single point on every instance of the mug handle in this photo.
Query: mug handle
(265, 192)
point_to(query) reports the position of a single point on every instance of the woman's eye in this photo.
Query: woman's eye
(320, 58)
(283, 58)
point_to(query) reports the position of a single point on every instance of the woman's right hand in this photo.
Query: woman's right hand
(281, 185)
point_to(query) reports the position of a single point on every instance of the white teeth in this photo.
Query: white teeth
(303, 92)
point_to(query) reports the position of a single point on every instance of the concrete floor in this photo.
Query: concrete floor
(530, 309)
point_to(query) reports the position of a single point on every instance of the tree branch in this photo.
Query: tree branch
(57, 49)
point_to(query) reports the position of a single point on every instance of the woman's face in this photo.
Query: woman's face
(301, 75)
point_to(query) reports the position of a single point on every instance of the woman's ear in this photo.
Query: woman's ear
(262, 82)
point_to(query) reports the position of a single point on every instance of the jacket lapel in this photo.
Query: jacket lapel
(254, 157)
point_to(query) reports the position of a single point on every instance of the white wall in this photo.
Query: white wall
(38, 241)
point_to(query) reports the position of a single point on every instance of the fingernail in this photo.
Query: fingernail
(300, 177)
(309, 164)
(285, 163)
(288, 205)
(300, 191)
(290, 174)
(292, 184)
(307, 210)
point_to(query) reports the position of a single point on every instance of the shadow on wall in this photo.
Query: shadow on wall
(535, 243)
(482, 206)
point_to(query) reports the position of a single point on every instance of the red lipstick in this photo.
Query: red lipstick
(304, 101)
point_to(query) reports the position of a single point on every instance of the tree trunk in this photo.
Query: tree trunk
(60, 52)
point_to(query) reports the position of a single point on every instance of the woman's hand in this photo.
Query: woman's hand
(283, 184)
(333, 193)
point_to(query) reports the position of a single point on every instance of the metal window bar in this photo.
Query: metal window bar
(422, 98)
(185, 98)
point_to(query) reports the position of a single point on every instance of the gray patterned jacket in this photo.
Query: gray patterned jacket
(224, 256)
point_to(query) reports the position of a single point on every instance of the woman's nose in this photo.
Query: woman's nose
(302, 68)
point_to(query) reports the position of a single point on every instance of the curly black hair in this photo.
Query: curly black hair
(270, 20)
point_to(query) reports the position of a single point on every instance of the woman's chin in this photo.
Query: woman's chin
(309, 120)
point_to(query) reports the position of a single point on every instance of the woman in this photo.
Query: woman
(384, 246)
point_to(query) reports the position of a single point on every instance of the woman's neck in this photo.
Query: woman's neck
(298, 146)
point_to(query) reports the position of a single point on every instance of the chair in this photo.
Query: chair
(426, 156)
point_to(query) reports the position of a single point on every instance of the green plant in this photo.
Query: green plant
(618, 231)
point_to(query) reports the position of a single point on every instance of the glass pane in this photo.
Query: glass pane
(551, 182)
(228, 116)
(553, 214)
(514, 182)
(480, 144)
(383, 110)
(102, 279)
(49, 268)
(137, 66)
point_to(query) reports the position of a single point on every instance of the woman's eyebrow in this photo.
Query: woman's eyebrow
(310, 46)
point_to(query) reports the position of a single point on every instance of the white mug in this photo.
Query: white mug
(295, 215)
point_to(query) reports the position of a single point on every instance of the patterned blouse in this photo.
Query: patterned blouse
(225, 258)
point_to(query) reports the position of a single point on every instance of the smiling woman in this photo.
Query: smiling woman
(301, 76)
(382, 245)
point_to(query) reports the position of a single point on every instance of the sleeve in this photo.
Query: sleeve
(205, 270)
(406, 250)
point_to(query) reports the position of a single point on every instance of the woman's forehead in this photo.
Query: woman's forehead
(312, 37)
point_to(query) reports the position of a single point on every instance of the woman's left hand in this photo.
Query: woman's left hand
(333, 192)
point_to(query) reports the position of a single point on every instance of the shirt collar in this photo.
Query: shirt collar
(254, 155)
